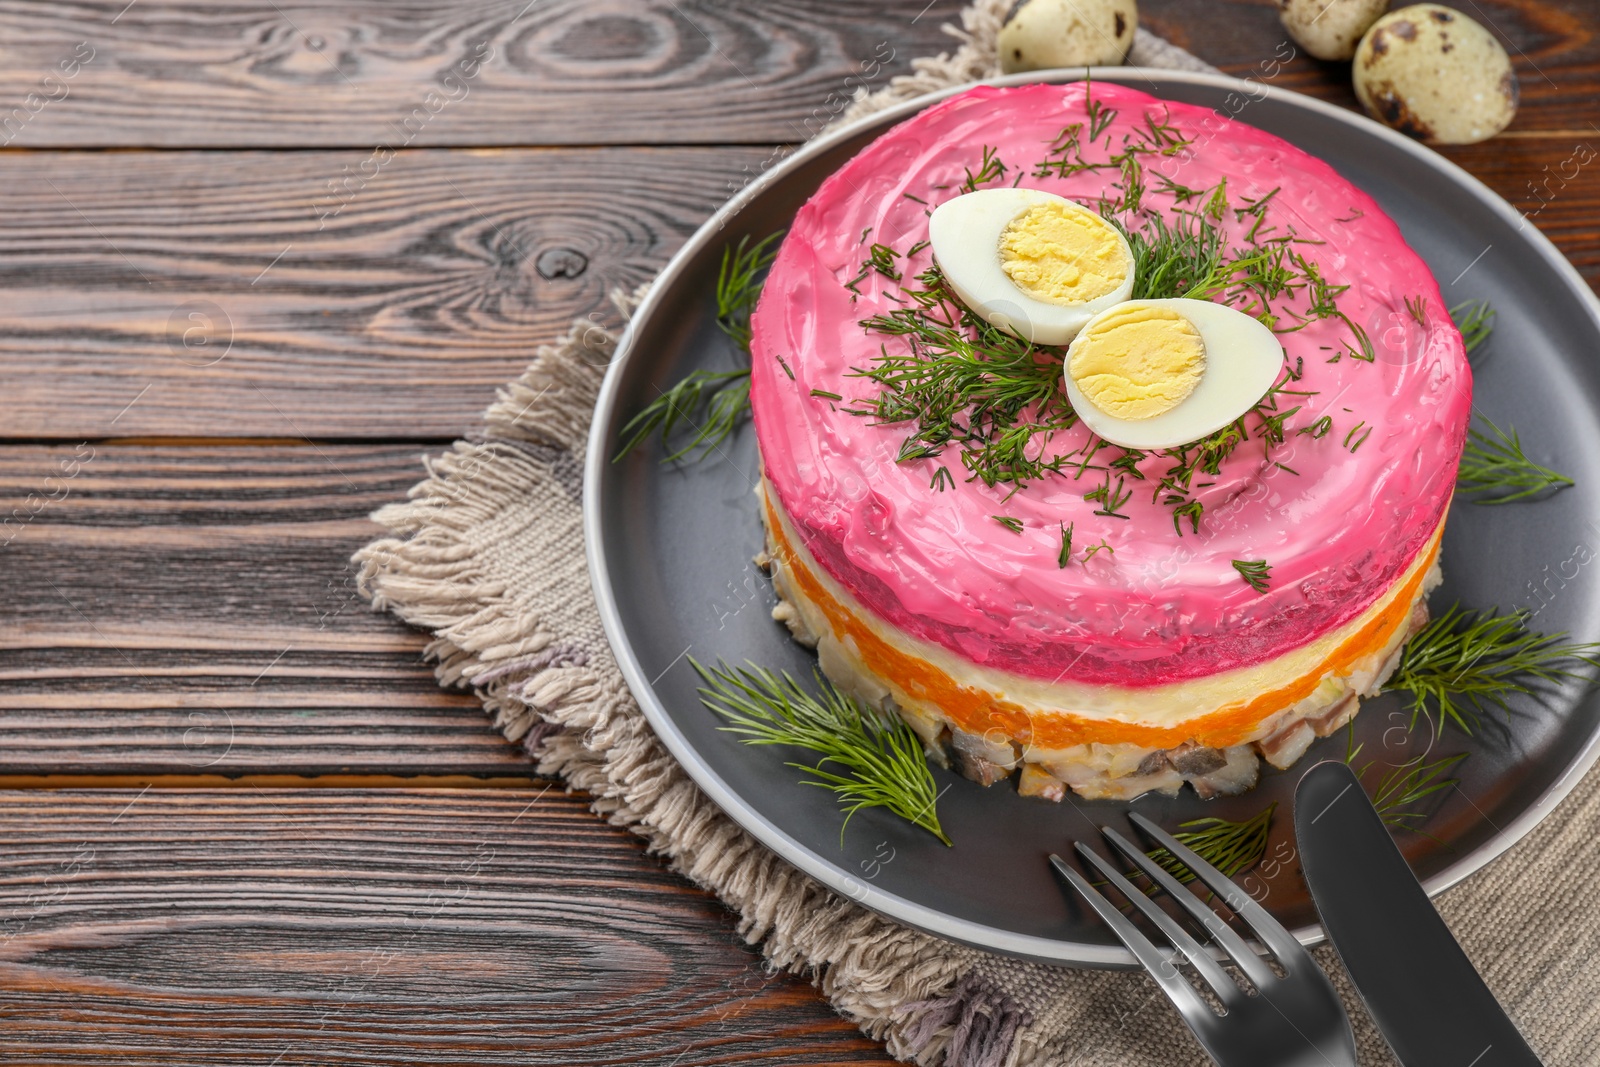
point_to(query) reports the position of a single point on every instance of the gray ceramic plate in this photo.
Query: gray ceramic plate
(669, 550)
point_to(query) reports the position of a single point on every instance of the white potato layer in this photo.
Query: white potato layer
(965, 234)
(1243, 360)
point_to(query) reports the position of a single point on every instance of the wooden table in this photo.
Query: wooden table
(241, 822)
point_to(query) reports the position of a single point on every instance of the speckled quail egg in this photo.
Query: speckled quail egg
(1041, 34)
(1030, 262)
(1329, 29)
(1152, 374)
(1436, 75)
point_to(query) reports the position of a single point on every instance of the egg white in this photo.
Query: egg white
(1243, 359)
(965, 234)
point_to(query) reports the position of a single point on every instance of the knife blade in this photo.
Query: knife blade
(1415, 980)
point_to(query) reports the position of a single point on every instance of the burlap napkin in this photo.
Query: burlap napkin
(487, 555)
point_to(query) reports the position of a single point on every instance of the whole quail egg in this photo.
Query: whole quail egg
(1041, 34)
(1151, 374)
(1436, 75)
(1329, 29)
(1035, 264)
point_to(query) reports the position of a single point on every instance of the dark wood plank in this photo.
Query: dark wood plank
(253, 73)
(400, 315)
(198, 293)
(1552, 45)
(414, 927)
(176, 610)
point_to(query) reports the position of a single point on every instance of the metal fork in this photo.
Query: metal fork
(1293, 1021)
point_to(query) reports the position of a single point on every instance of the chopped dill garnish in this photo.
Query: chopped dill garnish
(1217, 206)
(1100, 116)
(879, 759)
(1191, 510)
(1256, 209)
(919, 246)
(1010, 523)
(713, 403)
(1463, 661)
(1181, 194)
(1475, 320)
(1494, 463)
(1230, 847)
(1318, 429)
(1064, 557)
(825, 395)
(880, 258)
(1417, 307)
(1103, 546)
(990, 170)
(1110, 498)
(1257, 573)
(1357, 428)
(785, 365)
(942, 480)
(962, 382)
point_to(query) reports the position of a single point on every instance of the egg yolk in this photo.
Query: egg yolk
(1061, 256)
(1136, 362)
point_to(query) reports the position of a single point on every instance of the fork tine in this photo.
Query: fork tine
(1252, 965)
(1166, 975)
(1268, 929)
(1221, 984)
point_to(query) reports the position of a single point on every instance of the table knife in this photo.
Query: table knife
(1415, 980)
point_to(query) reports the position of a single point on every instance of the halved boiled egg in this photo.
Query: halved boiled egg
(1035, 264)
(1151, 374)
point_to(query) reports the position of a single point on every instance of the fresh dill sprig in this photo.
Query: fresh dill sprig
(739, 284)
(1257, 573)
(1009, 522)
(876, 760)
(1172, 260)
(1465, 661)
(1064, 557)
(1475, 320)
(1230, 847)
(1400, 791)
(1494, 463)
(713, 403)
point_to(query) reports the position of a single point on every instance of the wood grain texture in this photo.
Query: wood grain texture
(180, 610)
(232, 294)
(189, 293)
(254, 74)
(313, 927)
(352, 74)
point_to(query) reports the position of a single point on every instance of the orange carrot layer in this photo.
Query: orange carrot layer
(979, 712)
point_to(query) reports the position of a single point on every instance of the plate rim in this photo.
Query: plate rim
(769, 834)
